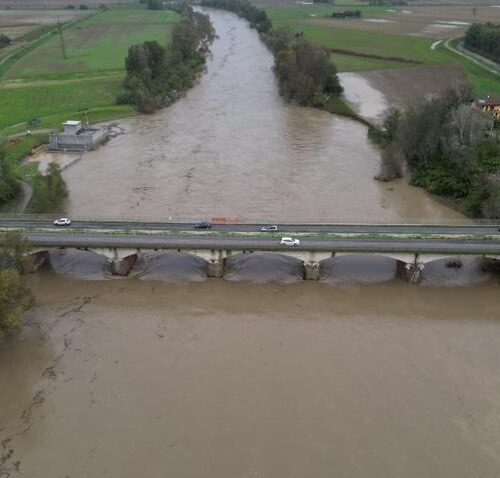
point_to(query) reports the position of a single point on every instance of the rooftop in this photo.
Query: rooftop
(489, 101)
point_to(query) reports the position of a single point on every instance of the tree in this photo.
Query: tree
(449, 150)
(4, 40)
(156, 74)
(15, 299)
(13, 252)
(468, 125)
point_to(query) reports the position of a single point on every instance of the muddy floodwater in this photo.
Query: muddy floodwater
(168, 374)
(221, 379)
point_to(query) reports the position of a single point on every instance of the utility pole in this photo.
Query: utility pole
(63, 46)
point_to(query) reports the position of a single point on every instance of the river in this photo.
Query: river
(260, 375)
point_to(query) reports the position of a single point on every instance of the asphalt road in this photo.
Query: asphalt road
(142, 241)
(474, 229)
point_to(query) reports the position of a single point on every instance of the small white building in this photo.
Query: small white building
(77, 137)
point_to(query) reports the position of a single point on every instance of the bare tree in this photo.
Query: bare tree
(469, 124)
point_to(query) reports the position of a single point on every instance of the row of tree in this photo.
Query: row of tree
(448, 147)
(347, 14)
(156, 75)
(485, 39)
(305, 73)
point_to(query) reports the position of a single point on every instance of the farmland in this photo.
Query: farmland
(98, 44)
(386, 39)
(42, 84)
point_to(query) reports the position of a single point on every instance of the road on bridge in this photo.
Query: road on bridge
(472, 229)
(248, 243)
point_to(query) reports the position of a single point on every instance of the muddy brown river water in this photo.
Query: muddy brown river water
(359, 375)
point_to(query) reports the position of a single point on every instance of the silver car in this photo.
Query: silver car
(272, 228)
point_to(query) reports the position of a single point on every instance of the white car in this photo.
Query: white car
(289, 241)
(62, 221)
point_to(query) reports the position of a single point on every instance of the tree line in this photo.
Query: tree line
(484, 38)
(448, 147)
(157, 75)
(49, 191)
(304, 71)
(9, 182)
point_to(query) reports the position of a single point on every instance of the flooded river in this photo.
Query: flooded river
(259, 375)
(232, 148)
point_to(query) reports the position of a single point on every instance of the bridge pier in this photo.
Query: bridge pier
(414, 272)
(36, 260)
(215, 270)
(122, 267)
(312, 270)
(121, 260)
(215, 259)
(411, 272)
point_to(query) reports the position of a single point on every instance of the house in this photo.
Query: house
(77, 137)
(490, 105)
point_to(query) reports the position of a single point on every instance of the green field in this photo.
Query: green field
(333, 34)
(41, 84)
(21, 104)
(97, 44)
(371, 43)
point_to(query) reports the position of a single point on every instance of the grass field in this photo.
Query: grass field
(22, 104)
(97, 44)
(41, 84)
(338, 34)
(379, 44)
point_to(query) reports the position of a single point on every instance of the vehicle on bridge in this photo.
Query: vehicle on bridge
(203, 225)
(62, 221)
(272, 228)
(289, 241)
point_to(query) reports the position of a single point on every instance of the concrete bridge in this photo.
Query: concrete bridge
(411, 251)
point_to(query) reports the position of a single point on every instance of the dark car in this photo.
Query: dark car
(203, 225)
